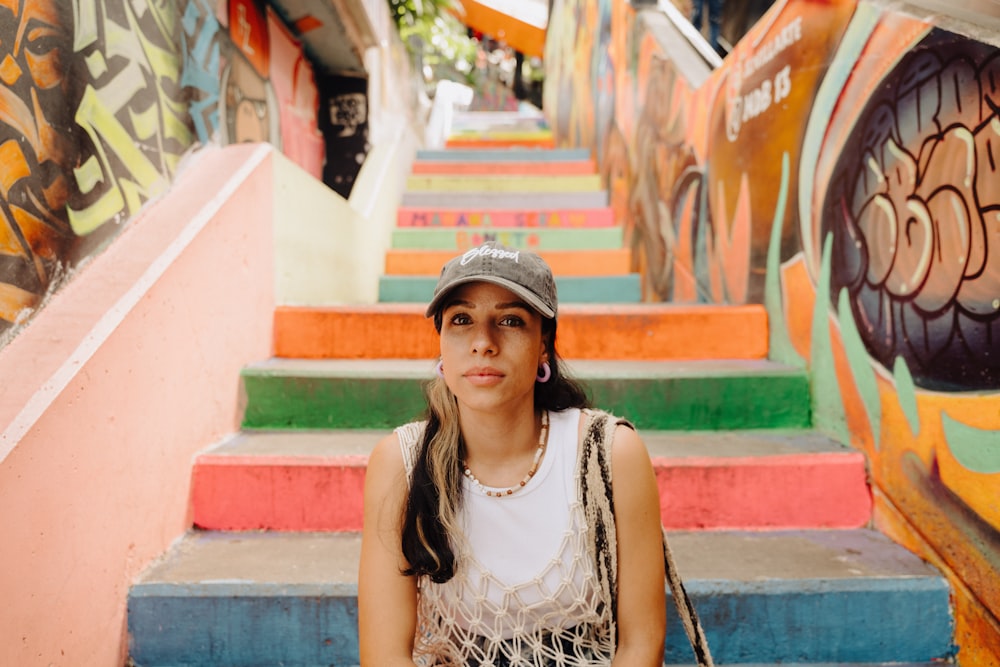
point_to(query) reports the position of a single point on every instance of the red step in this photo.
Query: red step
(313, 481)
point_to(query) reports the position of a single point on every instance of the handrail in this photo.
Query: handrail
(695, 38)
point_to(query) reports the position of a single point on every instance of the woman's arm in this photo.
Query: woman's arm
(641, 577)
(387, 600)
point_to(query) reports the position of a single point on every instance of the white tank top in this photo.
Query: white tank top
(523, 544)
(528, 573)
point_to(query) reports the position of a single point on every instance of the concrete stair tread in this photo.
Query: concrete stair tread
(335, 444)
(711, 562)
(506, 155)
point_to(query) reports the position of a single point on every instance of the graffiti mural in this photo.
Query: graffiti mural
(200, 48)
(344, 123)
(840, 167)
(38, 150)
(248, 104)
(132, 108)
(99, 102)
(914, 209)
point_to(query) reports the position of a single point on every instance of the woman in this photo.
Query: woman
(483, 541)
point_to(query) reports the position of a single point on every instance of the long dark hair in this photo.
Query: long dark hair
(429, 522)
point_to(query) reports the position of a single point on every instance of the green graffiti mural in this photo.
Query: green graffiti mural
(132, 107)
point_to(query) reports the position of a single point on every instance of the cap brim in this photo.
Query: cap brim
(521, 291)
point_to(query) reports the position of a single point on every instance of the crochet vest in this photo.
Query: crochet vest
(443, 635)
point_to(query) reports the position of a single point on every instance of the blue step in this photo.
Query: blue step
(810, 597)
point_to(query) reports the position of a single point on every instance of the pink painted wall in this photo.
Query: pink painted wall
(109, 393)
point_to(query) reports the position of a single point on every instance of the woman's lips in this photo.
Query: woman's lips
(483, 376)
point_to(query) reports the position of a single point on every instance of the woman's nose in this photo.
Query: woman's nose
(484, 339)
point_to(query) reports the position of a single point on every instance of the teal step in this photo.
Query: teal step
(625, 288)
(536, 239)
(810, 597)
(695, 395)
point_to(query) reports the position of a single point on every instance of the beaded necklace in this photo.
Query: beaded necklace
(498, 493)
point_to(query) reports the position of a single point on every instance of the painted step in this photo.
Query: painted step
(505, 168)
(501, 139)
(603, 331)
(479, 219)
(485, 120)
(679, 395)
(619, 289)
(313, 481)
(267, 598)
(505, 155)
(488, 201)
(539, 239)
(604, 262)
(505, 184)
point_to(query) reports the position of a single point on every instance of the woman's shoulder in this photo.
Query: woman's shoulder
(596, 417)
(402, 444)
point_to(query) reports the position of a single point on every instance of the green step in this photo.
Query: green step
(696, 395)
(625, 288)
(539, 238)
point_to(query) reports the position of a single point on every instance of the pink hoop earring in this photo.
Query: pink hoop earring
(439, 369)
(546, 373)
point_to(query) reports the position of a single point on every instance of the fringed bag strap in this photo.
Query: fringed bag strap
(685, 609)
(595, 460)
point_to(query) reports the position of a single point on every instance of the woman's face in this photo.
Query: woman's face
(491, 346)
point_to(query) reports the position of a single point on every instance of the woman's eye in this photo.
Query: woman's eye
(460, 318)
(511, 321)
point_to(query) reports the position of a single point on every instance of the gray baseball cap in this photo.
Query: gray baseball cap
(523, 273)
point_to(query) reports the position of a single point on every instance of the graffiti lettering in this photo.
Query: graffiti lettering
(760, 99)
(788, 35)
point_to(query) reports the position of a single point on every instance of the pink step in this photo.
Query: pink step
(313, 481)
(407, 216)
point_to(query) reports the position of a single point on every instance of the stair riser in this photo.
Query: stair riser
(535, 240)
(533, 140)
(480, 220)
(562, 262)
(787, 492)
(513, 185)
(597, 333)
(488, 201)
(546, 168)
(240, 629)
(817, 621)
(280, 401)
(505, 155)
(813, 622)
(605, 289)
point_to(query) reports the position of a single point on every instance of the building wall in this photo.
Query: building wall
(121, 379)
(841, 168)
(157, 159)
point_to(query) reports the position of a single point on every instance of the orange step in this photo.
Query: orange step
(619, 331)
(562, 262)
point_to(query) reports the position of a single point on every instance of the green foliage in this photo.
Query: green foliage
(432, 32)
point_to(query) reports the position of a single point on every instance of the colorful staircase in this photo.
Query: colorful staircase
(769, 519)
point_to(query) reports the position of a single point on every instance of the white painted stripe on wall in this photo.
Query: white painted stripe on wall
(40, 401)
